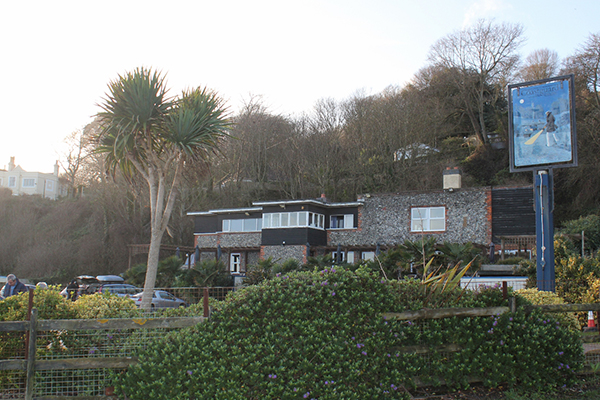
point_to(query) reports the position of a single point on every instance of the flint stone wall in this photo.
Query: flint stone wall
(283, 253)
(385, 218)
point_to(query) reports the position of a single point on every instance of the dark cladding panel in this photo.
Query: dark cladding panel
(206, 224)
(294, 236)
(513, 212)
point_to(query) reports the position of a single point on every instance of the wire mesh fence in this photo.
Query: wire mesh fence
(81, 349)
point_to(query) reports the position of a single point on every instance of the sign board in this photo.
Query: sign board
(542, 124)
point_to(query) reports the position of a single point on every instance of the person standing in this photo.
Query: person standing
(13, 286)
(72, 290)
(550, 128)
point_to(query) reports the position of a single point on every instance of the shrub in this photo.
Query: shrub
(105, 305)
(320, 335)
(590, 225)
(49, 303)
(536, 297)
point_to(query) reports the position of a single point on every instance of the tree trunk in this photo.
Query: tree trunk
(152, 269)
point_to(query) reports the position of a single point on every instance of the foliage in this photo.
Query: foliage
(536, 297)
(319, 335)
(169, 272)
(442, 286)
(590, 225)
(49, 303)
(204, 274)
(148, 135)
(104, 305)
(453, 253)
(260, 272)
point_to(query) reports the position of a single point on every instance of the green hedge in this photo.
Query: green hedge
(321, 335)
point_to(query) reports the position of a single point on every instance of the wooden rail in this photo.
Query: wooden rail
(31, 364)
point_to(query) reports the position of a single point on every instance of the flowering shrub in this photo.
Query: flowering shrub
(320, 335)
(534, 296)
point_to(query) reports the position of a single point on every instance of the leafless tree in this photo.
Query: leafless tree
(540, 64)
(486, 49)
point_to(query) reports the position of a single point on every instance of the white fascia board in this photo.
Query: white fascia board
(225, 211)
(315, 202)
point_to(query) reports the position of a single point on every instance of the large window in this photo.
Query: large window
(428, 219)
(28, 182)
(345, 221)
(293, 220)
(242, 225)
(12, 181)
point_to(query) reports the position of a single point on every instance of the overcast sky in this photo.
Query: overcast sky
(58, 56)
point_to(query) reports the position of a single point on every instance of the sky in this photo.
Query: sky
(57, 57)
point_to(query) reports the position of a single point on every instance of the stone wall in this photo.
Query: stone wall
(385, 218)
(283, 253)
(226, 240)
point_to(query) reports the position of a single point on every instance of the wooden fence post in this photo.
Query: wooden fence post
(205, 302)
(31, 355)
(512, 304)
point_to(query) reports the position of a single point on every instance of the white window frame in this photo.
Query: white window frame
(428, 219)
(293, 219)
(347, 221)
(350, 257)
(12, 181)
(24, 185)
(334, 256)
(367, 256)
(50, 186)
(228, 225)
(235, 263)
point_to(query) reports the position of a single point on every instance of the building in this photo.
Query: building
(21, 182)
(358, 230)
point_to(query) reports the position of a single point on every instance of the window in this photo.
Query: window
(428, 219)
(242, 225)
(341, 221)
(12, 181)
(28, 182)
(293, 220)
(235, 261)
(368, 255)
(350, 257)
(334, 256)
(50, 185)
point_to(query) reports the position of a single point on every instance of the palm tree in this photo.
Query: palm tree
(145, 133)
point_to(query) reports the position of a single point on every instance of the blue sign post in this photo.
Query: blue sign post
(544, 223)
(542, 137)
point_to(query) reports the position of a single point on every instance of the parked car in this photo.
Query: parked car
(87, 285)
(120, 289)
(161, 299)
(91, 284)
(105, 279)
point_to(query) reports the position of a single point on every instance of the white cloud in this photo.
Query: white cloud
(486, 9)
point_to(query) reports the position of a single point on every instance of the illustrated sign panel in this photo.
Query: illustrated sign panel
(542, 124)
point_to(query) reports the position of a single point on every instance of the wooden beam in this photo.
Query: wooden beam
(445, 313)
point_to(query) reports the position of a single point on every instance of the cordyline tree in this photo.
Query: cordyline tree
(145, 133)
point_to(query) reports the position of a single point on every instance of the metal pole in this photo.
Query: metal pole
(544, 223)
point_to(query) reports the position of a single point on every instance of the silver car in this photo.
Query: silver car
(161, 299)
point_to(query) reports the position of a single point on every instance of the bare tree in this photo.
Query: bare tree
(486, 49)
(540, 64)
